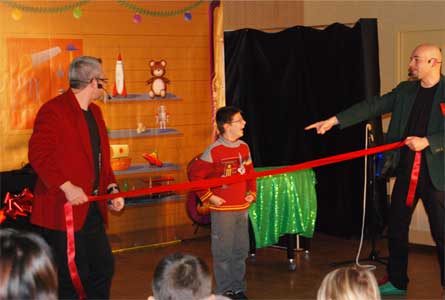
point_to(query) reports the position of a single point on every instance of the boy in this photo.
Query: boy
(228, 204)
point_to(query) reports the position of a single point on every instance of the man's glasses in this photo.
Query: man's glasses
(104, 80)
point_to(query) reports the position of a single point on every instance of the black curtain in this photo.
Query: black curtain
(287, 80)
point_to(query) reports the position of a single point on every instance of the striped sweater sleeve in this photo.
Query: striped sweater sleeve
(200, 170)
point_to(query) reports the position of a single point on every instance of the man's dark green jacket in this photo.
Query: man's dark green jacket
(399, 102)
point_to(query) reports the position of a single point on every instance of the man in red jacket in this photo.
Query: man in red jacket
(70, 152)
(228, 204)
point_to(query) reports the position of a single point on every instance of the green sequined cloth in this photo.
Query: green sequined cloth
(286, 203)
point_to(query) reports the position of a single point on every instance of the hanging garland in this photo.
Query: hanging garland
(44, 9)
(77, 4)
(159, 13)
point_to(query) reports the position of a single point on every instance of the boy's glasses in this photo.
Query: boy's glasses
(238, 121)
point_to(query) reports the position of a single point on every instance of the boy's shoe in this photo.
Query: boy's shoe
(240, 296)
(229, 294)
(388, 289)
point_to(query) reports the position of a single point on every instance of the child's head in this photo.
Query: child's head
(26, 267)
(181, 276)
(224, 115)
(349, 284)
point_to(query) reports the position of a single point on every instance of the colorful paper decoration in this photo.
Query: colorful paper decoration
(159, 13)
(188, 16)
(16, 14)
(137, 18)
(77, 13)
(44, 9)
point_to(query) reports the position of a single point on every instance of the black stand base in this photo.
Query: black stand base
(287, 242)
(372, 257)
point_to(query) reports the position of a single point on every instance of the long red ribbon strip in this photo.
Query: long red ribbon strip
(209, 183)
(414, 179)
(71, 251)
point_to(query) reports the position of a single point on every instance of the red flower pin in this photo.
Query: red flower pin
(442, 108)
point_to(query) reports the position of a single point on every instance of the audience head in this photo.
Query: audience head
(181, 276)
(26, 267)
(349, 283)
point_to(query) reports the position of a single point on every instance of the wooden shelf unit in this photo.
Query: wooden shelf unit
(150, 213)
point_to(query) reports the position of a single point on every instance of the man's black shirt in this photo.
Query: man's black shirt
(417, 126)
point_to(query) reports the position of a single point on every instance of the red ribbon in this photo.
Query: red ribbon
(208, 183)
(71, 251)
(414, 179)
(214, 182)
(17, 205)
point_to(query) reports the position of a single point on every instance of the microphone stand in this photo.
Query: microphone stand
(372, 184)
(370, 196)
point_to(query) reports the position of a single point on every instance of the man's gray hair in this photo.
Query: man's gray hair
(82, 70)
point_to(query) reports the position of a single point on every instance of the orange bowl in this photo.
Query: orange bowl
(121, 163)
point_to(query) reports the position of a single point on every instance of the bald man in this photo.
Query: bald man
(418, 114)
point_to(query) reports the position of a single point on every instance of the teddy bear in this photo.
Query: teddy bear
(158, 81)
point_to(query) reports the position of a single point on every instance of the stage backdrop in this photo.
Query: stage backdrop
(287, 80)
(38, 40)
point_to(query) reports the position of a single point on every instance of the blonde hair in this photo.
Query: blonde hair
(181, 276)
(349, 283)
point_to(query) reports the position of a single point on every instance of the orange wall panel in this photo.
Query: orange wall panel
(106, 29)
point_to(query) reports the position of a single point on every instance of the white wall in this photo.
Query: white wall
(262, 14)
(392, 16)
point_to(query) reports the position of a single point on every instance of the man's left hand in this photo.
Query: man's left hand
(416, 143)
(116, 204)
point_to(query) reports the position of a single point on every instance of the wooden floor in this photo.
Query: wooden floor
(268, 277)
